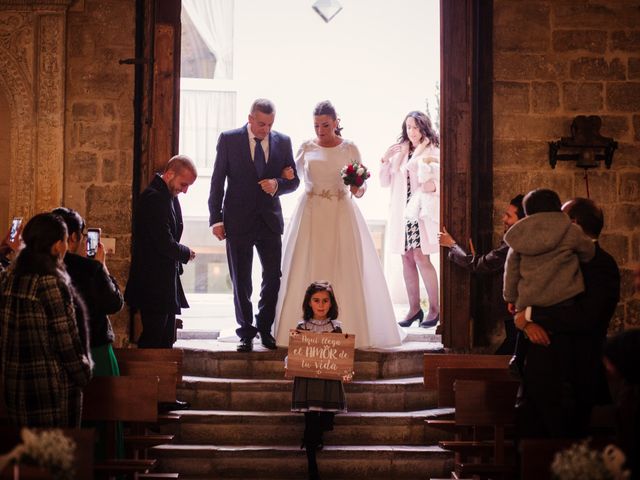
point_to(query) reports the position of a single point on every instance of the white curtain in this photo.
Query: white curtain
(203, 115)
(214, 21)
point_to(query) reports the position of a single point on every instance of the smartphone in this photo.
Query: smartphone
(15, 225)
(93, 239)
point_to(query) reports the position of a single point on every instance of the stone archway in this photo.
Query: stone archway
(32, 62)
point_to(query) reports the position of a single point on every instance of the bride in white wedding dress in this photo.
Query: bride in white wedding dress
(328, 239)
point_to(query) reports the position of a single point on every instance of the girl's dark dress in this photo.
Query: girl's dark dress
(316, 394)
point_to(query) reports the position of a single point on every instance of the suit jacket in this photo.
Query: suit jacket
(100, 293)
(492, 262)
(243, 202)
(157, 257)
(489, 264)
(586, 325)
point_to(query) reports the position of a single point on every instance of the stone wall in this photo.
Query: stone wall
(99, 125)
(554, 60)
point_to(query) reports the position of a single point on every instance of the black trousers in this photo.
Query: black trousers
(508, 346)
(158, 330)
(240, 258)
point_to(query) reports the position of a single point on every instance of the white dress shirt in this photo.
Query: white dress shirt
(252, 147)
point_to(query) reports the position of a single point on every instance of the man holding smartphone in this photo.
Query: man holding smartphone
(156, 262)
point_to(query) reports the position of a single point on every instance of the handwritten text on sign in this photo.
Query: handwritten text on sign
(321, 355)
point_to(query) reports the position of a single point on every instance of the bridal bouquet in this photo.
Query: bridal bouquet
(354, 173)
(579, 462)
(49, 449)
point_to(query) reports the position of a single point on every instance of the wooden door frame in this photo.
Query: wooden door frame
(466, 119)
(466, 134)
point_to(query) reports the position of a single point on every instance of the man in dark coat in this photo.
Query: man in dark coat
(491, 263)
(568, 342)
(156, 263)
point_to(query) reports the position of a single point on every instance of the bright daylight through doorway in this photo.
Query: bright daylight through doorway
(375, 60)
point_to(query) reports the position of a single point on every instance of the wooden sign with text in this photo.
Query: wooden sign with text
(320, 355)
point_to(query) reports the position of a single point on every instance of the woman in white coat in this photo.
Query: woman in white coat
(411, 168)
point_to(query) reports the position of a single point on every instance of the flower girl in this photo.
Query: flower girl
(317, 398)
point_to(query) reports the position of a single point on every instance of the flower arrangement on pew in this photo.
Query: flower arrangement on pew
(580, 462)
(47, 449)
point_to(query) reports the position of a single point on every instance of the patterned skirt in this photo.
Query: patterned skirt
(411, 235)
(411, 229)
(317, 395)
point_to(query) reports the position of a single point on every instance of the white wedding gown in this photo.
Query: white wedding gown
(328, 239)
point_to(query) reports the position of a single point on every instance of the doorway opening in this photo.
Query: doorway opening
(374, 61)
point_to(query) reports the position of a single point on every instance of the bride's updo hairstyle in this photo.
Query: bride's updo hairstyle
(424, 124)
(327, 108)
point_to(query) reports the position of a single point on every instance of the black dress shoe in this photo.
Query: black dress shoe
(268, 341)
(245, 345)
(407, 323)
(169, 406)
(430, 323)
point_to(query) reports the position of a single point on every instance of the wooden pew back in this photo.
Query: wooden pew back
(481, 403)
(126, 399)
(448, 376)
(433, 361)
(166, 371)
(485, 403)
(152, 355)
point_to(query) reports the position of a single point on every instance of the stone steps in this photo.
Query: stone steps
(240, 425)
(210, 358)
(215, 427)
(398, 394)
(335, 462)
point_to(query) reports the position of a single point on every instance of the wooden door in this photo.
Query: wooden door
(466, 134)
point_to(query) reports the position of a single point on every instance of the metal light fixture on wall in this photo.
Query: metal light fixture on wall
(585, 146)
(327, 9)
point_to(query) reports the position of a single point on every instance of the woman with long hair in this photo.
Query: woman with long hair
(411, 167)
(44, 355)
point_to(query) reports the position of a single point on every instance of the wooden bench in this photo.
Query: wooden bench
(491, 404)
(152, 355)
(433, 361)
(166, 371)
(121, 399)
(448, 376)
(138, 441)
(83, 455)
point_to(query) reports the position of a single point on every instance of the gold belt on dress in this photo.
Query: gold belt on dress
(328, 194)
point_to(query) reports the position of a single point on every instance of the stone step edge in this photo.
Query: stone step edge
(219, 416)
(182, 450)
(190, 380)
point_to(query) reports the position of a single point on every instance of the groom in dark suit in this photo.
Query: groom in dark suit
(251, 159)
